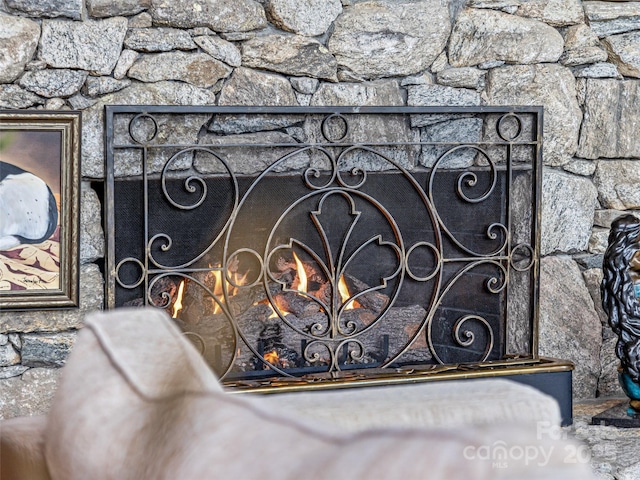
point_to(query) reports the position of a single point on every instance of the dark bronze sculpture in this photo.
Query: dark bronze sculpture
(621, 304)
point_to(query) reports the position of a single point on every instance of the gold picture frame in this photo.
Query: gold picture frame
(39, 209)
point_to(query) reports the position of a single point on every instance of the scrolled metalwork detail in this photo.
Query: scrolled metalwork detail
(326, 127)
(501, 127)
(353, 208)
(137, 263)
(437, 263)
(520, 252)
(134, 124)
(469, 336)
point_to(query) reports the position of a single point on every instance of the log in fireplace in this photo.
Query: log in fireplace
(330, 245)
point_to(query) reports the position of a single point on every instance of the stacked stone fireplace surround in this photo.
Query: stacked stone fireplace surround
(580, 60)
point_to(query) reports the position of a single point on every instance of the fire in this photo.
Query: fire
(272, 357)
(344, 294)
(218, 290)
(301, 273)
(177, 305)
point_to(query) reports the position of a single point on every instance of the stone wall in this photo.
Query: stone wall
(580, 60)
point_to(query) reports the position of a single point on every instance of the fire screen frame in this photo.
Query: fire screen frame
(503, 258)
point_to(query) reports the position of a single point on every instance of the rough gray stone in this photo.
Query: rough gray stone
(19, 40)
(380, 92)
(438, 95)
(460, 130)
(15, 340)
(89, 45)
(604, 217)
(363, 129)
(491, 64)
(376, 39)
(8, 355)
(12, 371)
(617, 182)
(569, 326)
(251, 87)
(581, 46)
(80, 102)
(218, 15)
(568, 204)
(464, 77)
(308, 17)
(484, 35)
(46, 350)
(198, 69)
(624, 52)
(127, 58)
(551, 86)
(51, 8)
(91, 234)
(91, 298)
(424, 79)
(35, 64)
(610, 18)
(4, 339)
(12, 96)
(599, 240)
(580, 167)
(54, 104)
(142, 20)
(291, 55)
(29, 394)
(158, 40)
(307, 86)
(440, 63)
(220, 49)
(237, 36)
(53, 83)
(304, 100)
(248, 161)
(557, 13)
(597, 70)
(109, 8)
(611, 111)
(509, 6)
(160, 93)
(96, 86)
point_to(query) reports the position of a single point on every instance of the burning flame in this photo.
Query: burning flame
(272, 357)
(218, 290)
(344, 294)
(301, 273)
(177, 305)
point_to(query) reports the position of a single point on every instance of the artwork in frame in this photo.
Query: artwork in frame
(39, 209)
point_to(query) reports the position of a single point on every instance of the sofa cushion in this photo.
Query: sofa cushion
(136, 402)
(451, 404)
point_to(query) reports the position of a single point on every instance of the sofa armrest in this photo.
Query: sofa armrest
(22, 449)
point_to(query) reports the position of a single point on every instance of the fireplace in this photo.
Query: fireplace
(324, 245)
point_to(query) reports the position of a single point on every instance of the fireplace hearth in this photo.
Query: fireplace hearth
(302, 245)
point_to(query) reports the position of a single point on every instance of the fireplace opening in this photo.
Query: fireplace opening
(361, 241)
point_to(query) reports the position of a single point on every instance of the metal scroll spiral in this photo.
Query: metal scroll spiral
(466, 181)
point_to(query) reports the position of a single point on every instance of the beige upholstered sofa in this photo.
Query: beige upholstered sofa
(136, 401)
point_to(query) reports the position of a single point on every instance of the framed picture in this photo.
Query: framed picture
(39, 209)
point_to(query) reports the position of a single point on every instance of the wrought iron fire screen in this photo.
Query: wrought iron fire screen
(326, 241)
